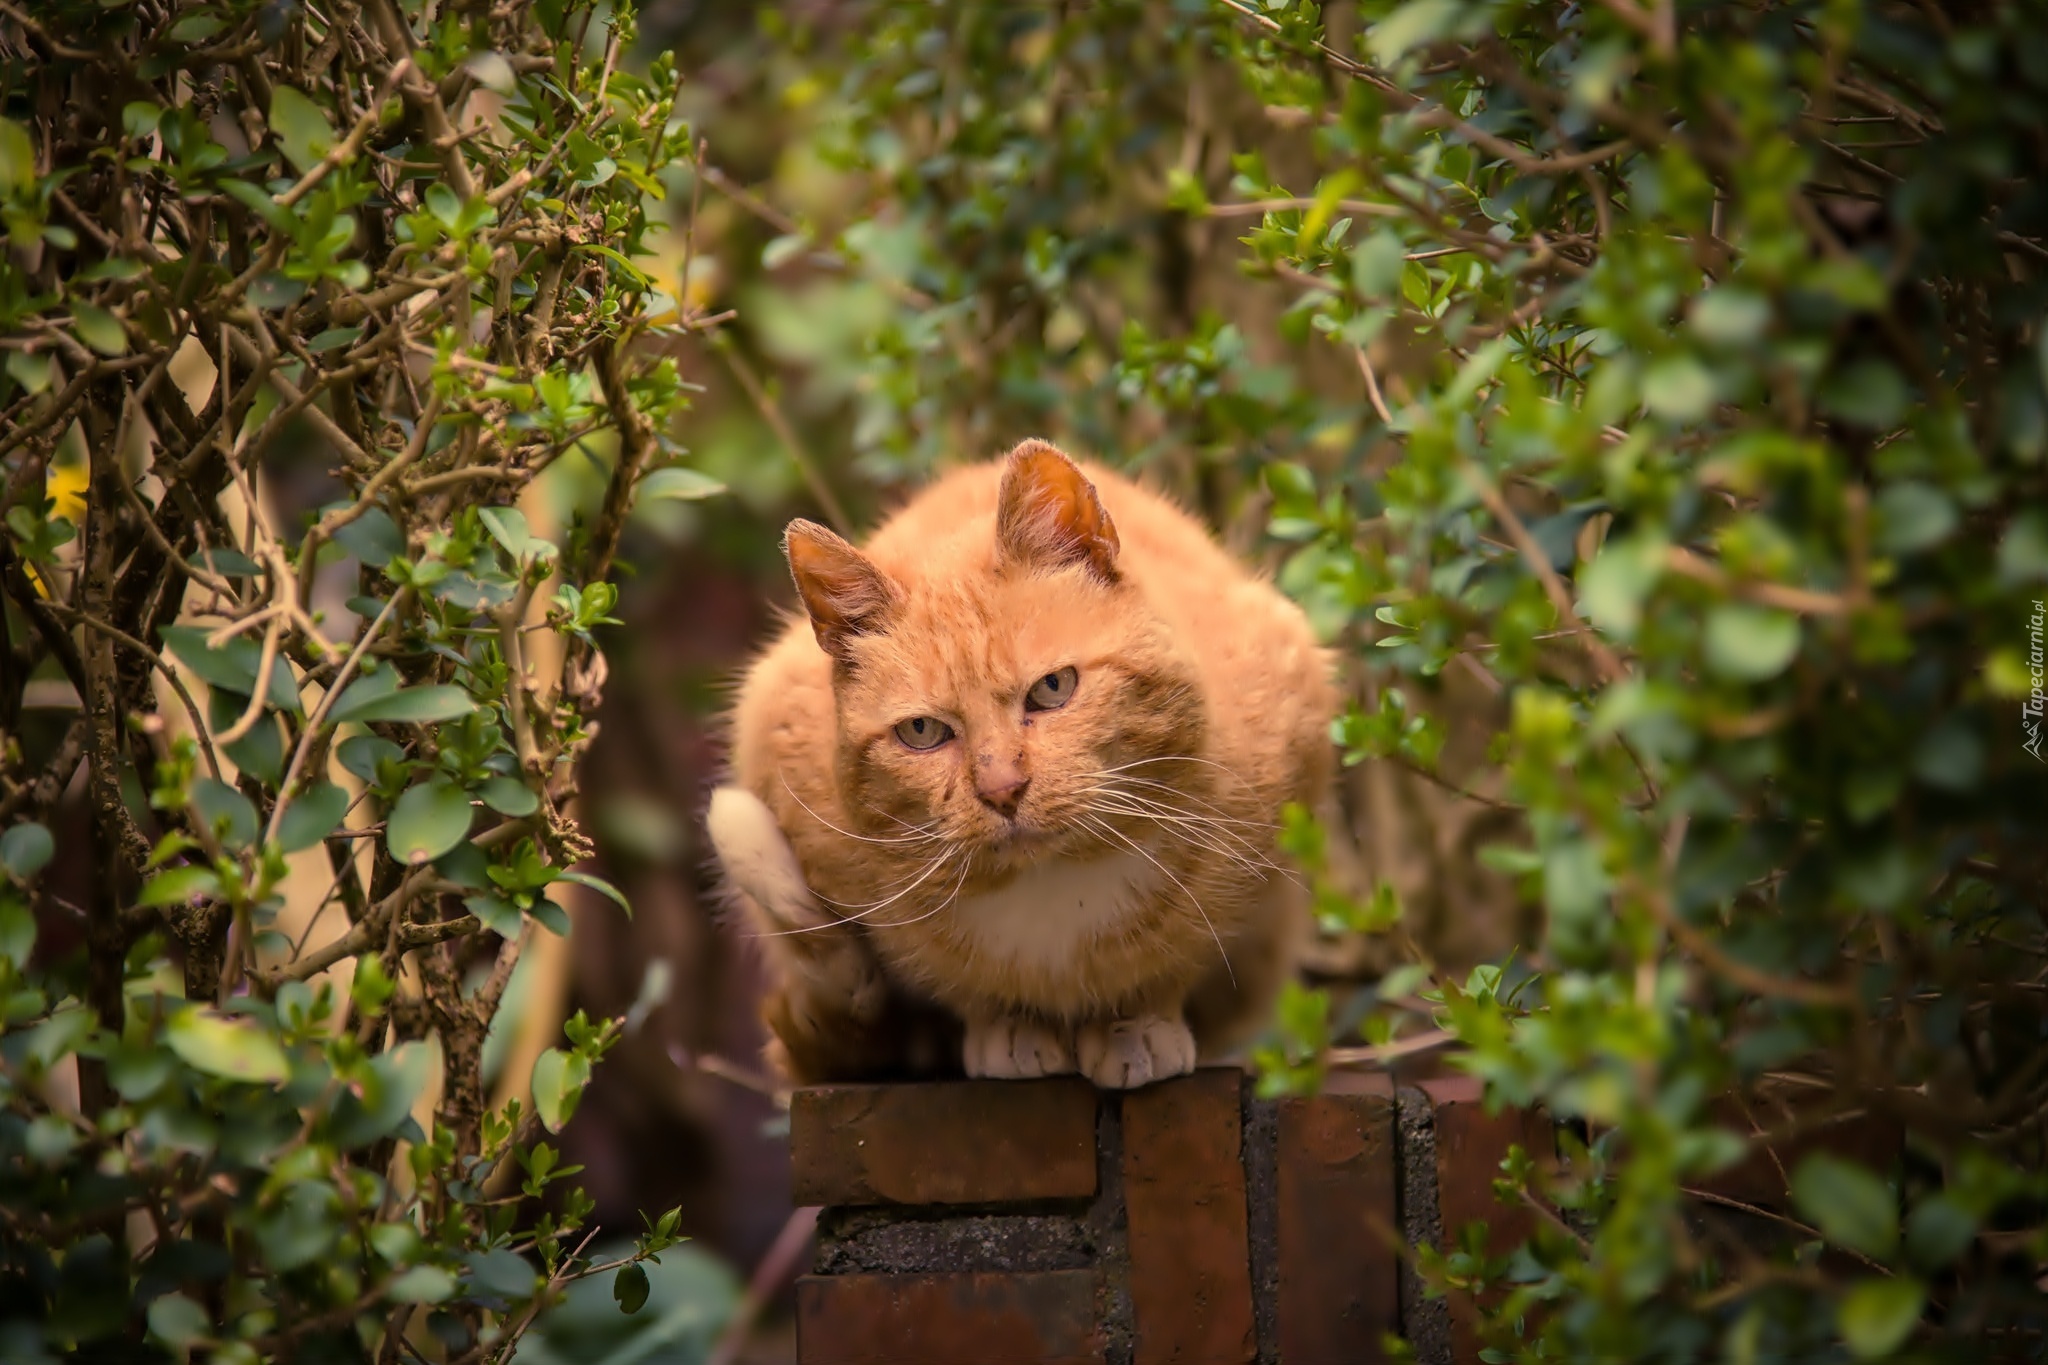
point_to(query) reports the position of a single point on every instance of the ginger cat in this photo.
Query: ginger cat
(1005, 802)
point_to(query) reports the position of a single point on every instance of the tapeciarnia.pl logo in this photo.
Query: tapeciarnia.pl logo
(2030, 714)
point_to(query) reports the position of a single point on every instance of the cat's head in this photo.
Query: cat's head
(992, 684)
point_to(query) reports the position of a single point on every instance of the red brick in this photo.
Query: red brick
(984, 1318)
(1470, 1145)
(965, 1142)
(1340, 1285)
(1191, 1289)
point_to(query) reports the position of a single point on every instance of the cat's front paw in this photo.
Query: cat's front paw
(1123, 1054)
(1011, 1049)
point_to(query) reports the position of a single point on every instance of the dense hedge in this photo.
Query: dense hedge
(297, 304)
(1650, 398)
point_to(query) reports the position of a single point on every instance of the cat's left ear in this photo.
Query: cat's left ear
(1048, 513)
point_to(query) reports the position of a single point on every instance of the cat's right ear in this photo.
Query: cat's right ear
(842, 591)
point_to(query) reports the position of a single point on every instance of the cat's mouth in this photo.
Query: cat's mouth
(1022, 843)
(1019, 843)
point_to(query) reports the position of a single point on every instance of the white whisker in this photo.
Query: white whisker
(1118, 789)
(1150, 807)
(944, 905)
(1172, 790)
(1199, 831)
(1142, 852)
(868, 907)
(1176, 758)
(921, 837)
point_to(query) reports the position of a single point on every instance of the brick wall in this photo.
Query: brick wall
(1042, 1223)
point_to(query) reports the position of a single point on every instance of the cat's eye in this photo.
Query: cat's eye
(1050, 692)
(923, 732)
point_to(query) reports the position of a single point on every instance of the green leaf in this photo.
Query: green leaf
(17, 934)
(498, 915)
(111, 268)
(599, 885)
(179, 885)
(232, 666)
(32, 370)
(1938, 1230)
(312, 815)
(257, 200)
(397, 1242)
(17, 158)
(273, 292)
(1877, 1315)
(509, 796)
(1914, 516)
(383, 1096)
(629, 1287)
(558, 1081)
(301, 1228)
(492, 71)
(1613, 588)
(334, 339)
(780, 251)
(1950, 755)
(1868, 393)
(413, 705)
(195, 28)
(633, 272)
(502, 1274)
(427, 821)
(226, 812)
(26, 849)
(678, 484)
(507, 526)
(260, 753)
(373, 537)
(139, 119)
(1851, 1207)
(360, 755)
(1730, 316)
(1377, 263)
(371, 988)
(2023, 554)
(228, 563)
(177, 1321)
(301, 127)
(1679, 389)
(551, 917)
(1412, 25)
(466, 866)
(422, 1284)
(1747, 643)
(233, 1049)
(99, 329)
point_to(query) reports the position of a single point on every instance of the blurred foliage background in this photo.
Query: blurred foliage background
(1648, 401)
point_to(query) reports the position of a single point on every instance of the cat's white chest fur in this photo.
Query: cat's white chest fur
(1045, 916)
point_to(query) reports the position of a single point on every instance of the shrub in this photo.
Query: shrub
(247, 242)
(1673, 375)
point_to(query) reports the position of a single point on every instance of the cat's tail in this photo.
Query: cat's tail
(826, 983)
(759, 862)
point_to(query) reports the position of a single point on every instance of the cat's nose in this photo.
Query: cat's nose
(1001, 786)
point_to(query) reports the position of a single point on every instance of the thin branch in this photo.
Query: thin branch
(771, 413)
(156, 661)
(1609, 664)
(1382, 1053)
(318, 719)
